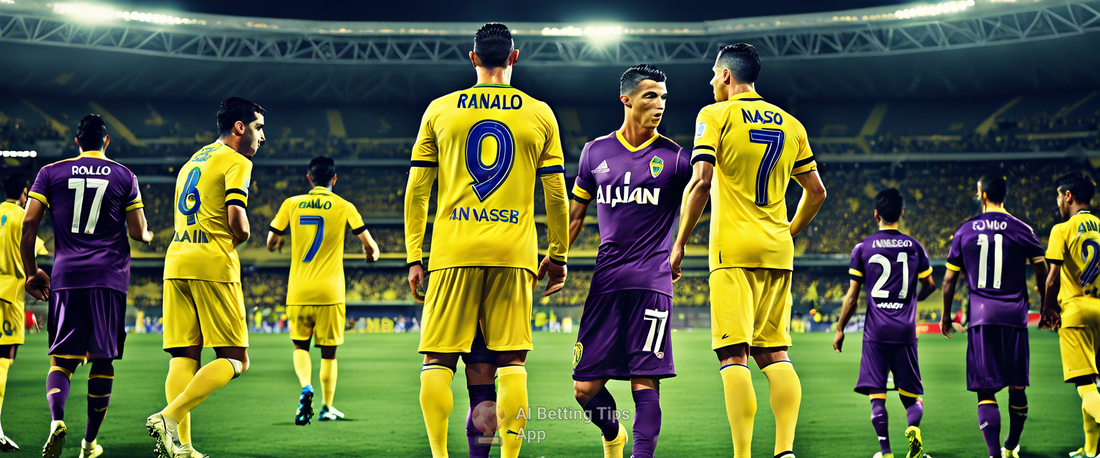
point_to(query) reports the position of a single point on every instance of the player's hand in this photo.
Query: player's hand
(278, 246)
(147, 237)
(945, 326)
(1051, 318)
(372, 254)
(674, 260)
(556, 274)
(416, 278)
(38, 285)
(838, 340)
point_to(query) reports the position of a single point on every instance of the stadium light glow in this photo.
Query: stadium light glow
(100, 13)
(937, 9)
(18, 153)
(8, 2)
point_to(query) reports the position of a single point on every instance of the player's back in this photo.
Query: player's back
(12, 276)
(490, 142)
(203, 246)
(994, 249)
(88, 198)
(1078, 242)
(890, 263)
(756, 148)
(317, 224)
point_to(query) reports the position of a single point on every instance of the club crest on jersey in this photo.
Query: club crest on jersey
(700, 130)
(655, 166)
(578, 351)
(203, 155)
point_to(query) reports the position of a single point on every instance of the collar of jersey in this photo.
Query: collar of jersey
(493, 85)
(746, 95)
(95, 154)
(11, 201)
(891, 230)
(319, 189)
(632, 149)
(999, 210)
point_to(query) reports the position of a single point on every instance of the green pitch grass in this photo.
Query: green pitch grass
(379, 385)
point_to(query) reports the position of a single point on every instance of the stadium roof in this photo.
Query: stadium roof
(948, 49)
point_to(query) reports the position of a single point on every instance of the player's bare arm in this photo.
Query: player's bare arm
(370, 247)
(238, 223)
(695, 200)
(927, 287)
(851, 298)
(950, 281)
(1051, 311)
(417, 192)
(812, 199)
(274, 242)
(1041, 268)
(38, 282)
(138, 226)
(558, 232)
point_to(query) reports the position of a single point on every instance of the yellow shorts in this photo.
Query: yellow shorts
(461, 298)
(750, 306)
(1079, 336)
(13, 316)
(325, 322)
(198, 312)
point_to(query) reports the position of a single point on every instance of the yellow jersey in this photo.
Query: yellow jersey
(1075, 244)
(203, 247)
(316, 224)
(489, 143)
(756, 148)
(12, 276)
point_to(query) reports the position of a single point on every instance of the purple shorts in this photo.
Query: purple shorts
(880, 358)
(87, 321)
(624, 334)
(996, 357)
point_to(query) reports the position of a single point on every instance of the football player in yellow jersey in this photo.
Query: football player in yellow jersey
(12, 278)
(203, 302)
(754, 149)
(488, 144)
(1072, 308)
(316, 222)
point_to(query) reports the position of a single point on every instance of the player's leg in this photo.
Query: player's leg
(303, 368)
(1017, 415)
(182, 340)
(301, 332)
(771, 338)
(449, 323)
(989, 421)
(732, 300)
(100, 380)
(506, 312)
(905, 366)
(1092, 436)
(7, 356)
(481, 418)
(602, 353)
(181, 370)
(57, 392)
(648, 339)
(329, 329)
(70, 331)
(874, 365)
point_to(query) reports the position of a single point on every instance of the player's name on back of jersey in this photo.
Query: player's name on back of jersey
(1088, 226)
(481, 215)
(487, 101)
(761, 117)
(316, 203)
(102, 170)
(990, 225)
(195, 236)
(891, 243)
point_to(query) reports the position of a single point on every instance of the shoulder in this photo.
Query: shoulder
(856, 250)
(1020, 223)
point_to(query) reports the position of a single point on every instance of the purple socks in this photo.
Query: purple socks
(479, 394)
(879, 419)
(601, 409)
(989, 421)
(1017, 415)
(647, 422)
(914, 410)
(57, 392)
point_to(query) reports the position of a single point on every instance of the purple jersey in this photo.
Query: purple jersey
(637, 193)
(890, 263)
(88, 198)
(993, 250)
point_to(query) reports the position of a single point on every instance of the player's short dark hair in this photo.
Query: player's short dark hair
(1080, 185)
(91, 133)
(889, 203)
(321, 170)
(236, 109)
(742, 61)
(493, 44)
(994, 187)
(633, 76)
(14, 185)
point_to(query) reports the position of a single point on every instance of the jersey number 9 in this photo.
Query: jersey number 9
(489, 177)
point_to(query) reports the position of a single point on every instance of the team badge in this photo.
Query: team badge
(202, 156)
(655, 166)
(578, 350)
(700, 130)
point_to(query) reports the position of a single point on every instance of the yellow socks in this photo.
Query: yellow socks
(303, 367)
(5, 363)
(328, 380)
(436, 401)
(180, 373)
(209, 379)
(511, 400)
(786, 397)
(1090, 400)
(740, 406)
(1092, 433)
